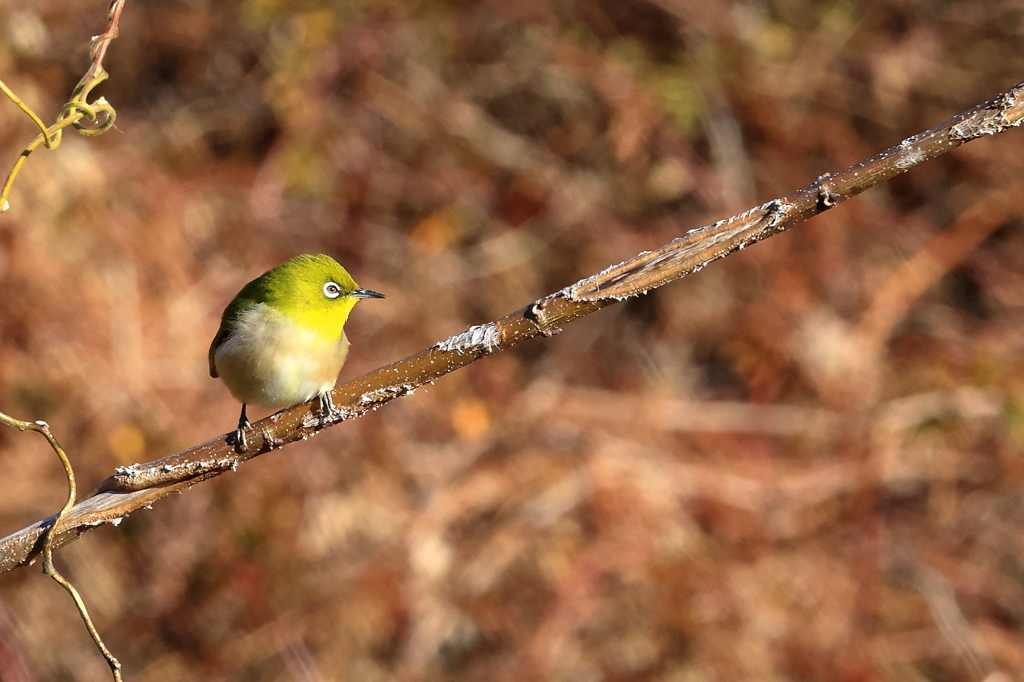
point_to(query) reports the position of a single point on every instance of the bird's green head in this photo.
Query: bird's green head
(313, 290)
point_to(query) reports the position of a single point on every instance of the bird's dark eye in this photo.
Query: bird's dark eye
(332, 290)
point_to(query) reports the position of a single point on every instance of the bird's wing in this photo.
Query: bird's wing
(222, 334)
(256, 291)
(227, 327)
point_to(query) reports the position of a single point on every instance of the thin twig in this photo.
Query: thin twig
(100, 43)
(47, 541)
(77, 107)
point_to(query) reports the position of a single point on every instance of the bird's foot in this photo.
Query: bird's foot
(238, 437)
(328, 412)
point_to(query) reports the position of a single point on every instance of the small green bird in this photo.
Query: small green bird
(282, 339)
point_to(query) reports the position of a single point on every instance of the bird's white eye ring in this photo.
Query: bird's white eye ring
(332, 290)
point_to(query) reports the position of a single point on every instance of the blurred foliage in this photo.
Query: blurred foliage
(707, 483)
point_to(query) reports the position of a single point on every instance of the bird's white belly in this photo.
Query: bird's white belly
(271, 362)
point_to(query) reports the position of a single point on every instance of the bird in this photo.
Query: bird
(281, 340)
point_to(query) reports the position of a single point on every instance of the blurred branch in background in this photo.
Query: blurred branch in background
(139, 485)
(77, 108)
(943, 253)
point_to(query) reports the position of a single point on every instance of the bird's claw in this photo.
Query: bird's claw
(328, 412)
(238, 439)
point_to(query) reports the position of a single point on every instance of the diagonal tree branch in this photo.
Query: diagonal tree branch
(140, 485)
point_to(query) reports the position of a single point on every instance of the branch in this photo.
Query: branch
(140, 485)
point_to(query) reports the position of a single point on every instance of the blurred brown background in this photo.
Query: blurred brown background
(803, 463)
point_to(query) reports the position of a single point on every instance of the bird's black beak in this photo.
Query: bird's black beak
(366, 293)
